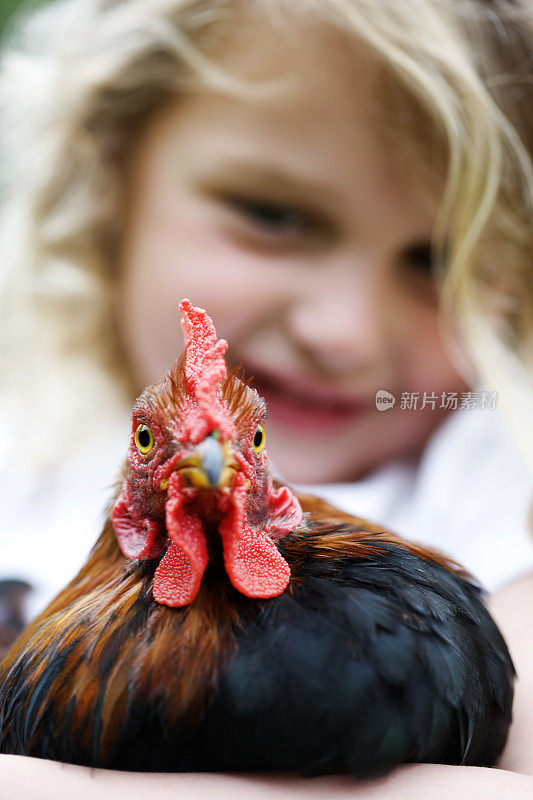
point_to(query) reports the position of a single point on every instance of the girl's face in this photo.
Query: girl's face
(293, 222)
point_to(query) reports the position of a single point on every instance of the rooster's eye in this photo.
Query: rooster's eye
(259, 439)
(144, 439)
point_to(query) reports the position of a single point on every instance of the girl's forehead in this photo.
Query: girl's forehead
(310, 92)
(301, 143)
(311, 59)
(312, 95)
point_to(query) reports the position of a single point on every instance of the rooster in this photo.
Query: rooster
(222, 622)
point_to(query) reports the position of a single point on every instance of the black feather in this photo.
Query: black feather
(363, 663)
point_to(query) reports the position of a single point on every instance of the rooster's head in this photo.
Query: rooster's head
(197, 478)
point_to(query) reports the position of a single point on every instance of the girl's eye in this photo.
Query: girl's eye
(419, 257)
(418, 271)
(271, 217)
(259, 439)
(144, 439)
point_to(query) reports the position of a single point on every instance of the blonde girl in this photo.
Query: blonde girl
(78, 91)
(311, 171)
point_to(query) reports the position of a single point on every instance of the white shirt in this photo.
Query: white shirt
(469, 495)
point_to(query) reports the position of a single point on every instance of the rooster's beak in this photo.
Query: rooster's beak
(211, 466)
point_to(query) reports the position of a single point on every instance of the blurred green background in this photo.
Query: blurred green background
(9, 7)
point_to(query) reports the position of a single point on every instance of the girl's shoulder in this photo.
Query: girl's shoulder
(469, 495)
(473, 496)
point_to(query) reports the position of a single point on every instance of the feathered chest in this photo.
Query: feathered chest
(372, 656)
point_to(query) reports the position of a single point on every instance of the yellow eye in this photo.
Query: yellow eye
(259, 439)
(144, 439)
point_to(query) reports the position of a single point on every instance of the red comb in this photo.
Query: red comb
(205, 365)
(204, 369)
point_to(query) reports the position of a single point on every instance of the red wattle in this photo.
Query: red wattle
(178, 577)
(253, 563)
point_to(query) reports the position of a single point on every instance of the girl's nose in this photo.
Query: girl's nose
(342, 320)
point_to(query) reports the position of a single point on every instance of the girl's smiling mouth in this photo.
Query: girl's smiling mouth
(300, 402)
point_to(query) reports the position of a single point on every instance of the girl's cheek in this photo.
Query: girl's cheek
(421, 341)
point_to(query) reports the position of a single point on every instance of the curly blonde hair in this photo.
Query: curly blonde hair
(78, 79)
(492, 292)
